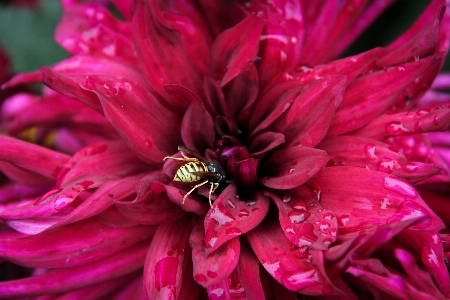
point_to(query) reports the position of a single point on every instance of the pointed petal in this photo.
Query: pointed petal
(423, 44)
(212, 268)
(306, 227)
(234, 48)
(287, 169)
(317, 106)
(31, 157)
(192, 203)
(160, 50)
(265, 142)
(77, 244)
(279, 258)
(167, 258)
(230, 217)
(406, 123)
(363, 199)
(61, 280)
(197, 127)
(147, 127)
(181, 98)
(151, 205)
(371, 154)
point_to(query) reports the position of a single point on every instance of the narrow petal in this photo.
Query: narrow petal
(306, 121)
(148, 128)
(32, 157)
(77, 244)
(373, 93)
(406, 123)
(230, 217)
(161, 50)
(363, 199)
(61, 280)
(192, 203)
(287, 169)
(212, 268)
(167, 259)
(265, 142)
(197, 127)
(234, 48)
(279, 258)
(371, 154)
(181, 98)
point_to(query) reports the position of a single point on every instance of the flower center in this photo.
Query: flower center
(239, 167)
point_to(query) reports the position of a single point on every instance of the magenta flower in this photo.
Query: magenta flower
(336, 171)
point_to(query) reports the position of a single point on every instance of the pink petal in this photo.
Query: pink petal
(151, 205)
(181, 98)
(279, 258)
(406, 123)
(362, 199)
(167, 259)
(213, 268)
(371, 154)
(234, 48)
(373, 93)
(61, 280)
(92, 30)
(68, 86)
(192, 204)
(306, 227)
(229, 217)
(161, 49)
(197, 127)
(76, 244)
(287, 169)
(31, 157)
(422, 44)
(264, 142)
(317, 106)
(148, 128)
(429, 246)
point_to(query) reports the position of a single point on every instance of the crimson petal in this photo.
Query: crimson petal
(230, 217)
(281, 260)
(369, 153)
(363, 199)
(292, 167)
(147, 127)
(161, 50)
(212, 268)
(234, 48)
(306, 227)
(77, 244)
(61, 280)
(167, 258)
(197, 127)
(372, 93)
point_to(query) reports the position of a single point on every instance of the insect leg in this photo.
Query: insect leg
(184, 158)
(211, 190)
(196, 186)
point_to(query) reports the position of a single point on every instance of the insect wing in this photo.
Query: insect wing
(191, 153)
(205, 174)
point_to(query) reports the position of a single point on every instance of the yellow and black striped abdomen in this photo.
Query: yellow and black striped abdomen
(184, 173)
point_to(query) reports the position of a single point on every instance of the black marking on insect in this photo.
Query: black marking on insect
(198, 169)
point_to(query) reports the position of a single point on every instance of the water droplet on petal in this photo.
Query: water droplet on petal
(370, 149)
(298, 216)
(396, 128)
(243, 213)
(399, 186)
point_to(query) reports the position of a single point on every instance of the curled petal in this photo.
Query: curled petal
(212, 268)
(230, 217)
(167, 260)
(292, 167)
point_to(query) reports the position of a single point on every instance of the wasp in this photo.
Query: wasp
(198, 169)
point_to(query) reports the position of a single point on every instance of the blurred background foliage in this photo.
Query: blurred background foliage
(27, 33)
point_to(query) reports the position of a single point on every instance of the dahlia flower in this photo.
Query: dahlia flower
(336, 168)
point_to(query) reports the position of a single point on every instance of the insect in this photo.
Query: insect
(198, 169)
